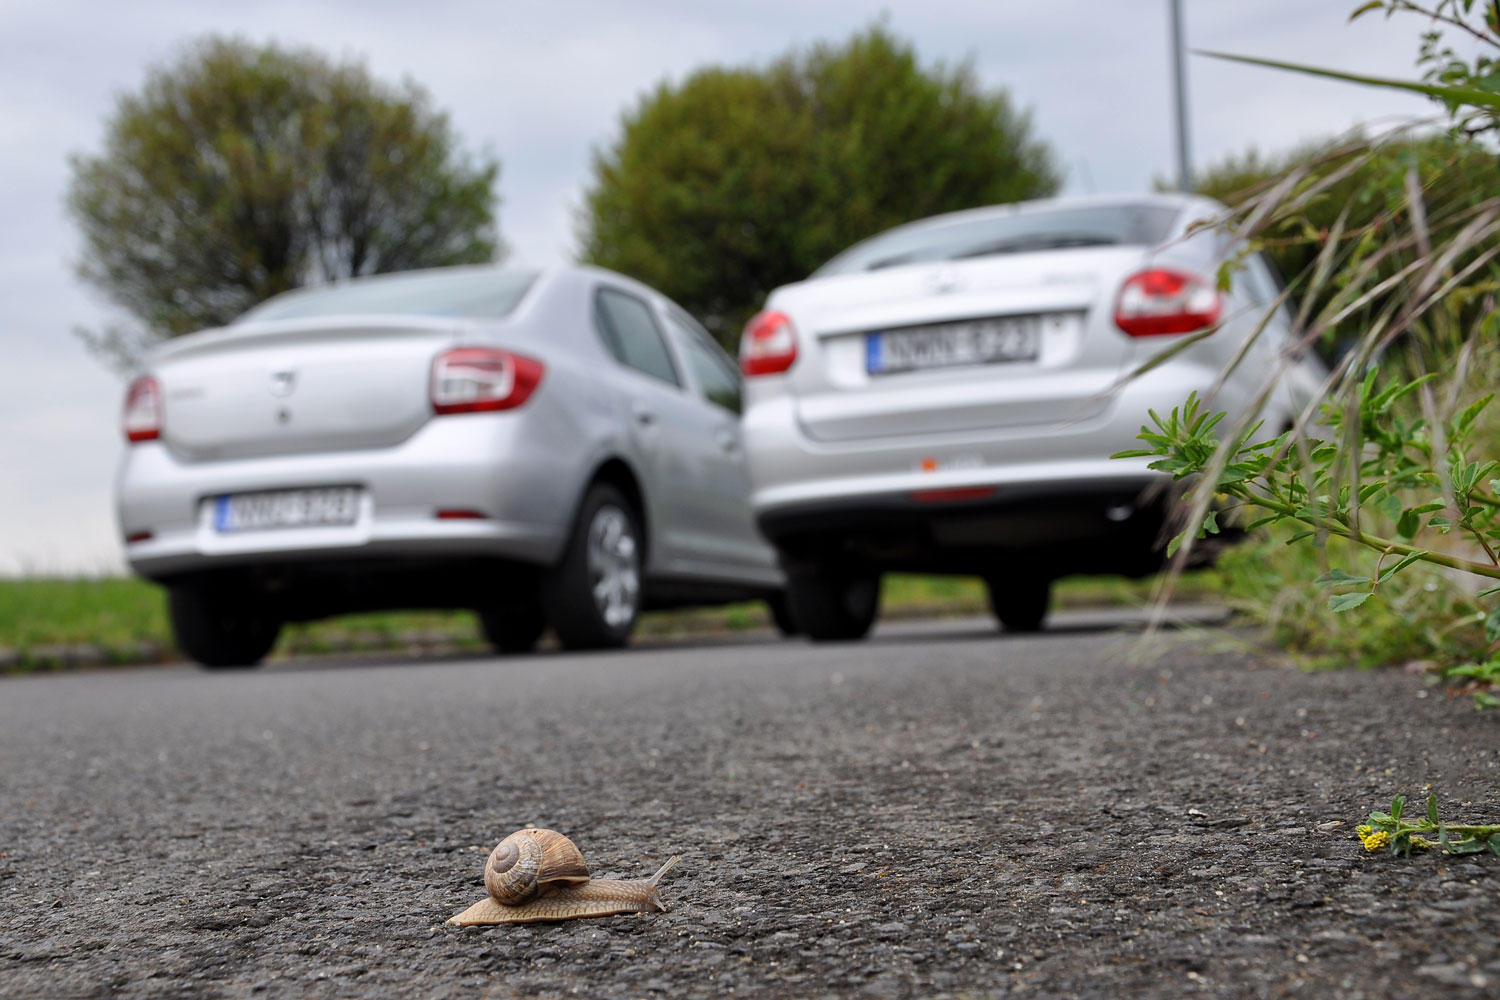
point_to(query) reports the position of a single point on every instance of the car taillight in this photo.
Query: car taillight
(1161, 301)
(142, 418)
(476, 379)
(769, 344)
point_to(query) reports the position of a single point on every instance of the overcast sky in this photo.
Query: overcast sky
(541, 85)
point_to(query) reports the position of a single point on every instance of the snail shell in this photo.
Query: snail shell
(529, 862)
(536, 875)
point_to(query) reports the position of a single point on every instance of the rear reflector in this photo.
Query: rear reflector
(1162, 301)
(769, 345)
(479, 379)
(459, 514)
(954, 495)
(138, 536)
(142, 418)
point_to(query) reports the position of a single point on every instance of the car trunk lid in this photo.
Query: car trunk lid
(299, 386)
(1043, 320)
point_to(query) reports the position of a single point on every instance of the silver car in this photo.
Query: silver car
(944, 397)
(548, 447)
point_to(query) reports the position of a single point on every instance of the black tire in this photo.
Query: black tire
(581, 620)
(834, 604)
(781, 615)
(1020, 604)
(513, 628)
(221, 627)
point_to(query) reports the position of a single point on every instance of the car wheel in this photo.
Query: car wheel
(834, 604)
(781, 615)
(1020, 604)
(593, 597)
(514, 628)
(220, 627)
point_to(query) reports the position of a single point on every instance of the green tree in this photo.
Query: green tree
(1454, 175)
(240, 171)
(739, 180)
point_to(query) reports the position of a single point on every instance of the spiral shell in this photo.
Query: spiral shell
(531, 862)
(538, 875)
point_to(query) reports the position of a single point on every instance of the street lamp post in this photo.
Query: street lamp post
(1184, 168)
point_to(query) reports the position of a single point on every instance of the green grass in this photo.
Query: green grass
(127, 619)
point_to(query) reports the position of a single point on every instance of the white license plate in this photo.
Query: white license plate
(329, 505)
(944, 345)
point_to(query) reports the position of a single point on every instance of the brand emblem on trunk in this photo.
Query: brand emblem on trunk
(283, 382)
(943, 281)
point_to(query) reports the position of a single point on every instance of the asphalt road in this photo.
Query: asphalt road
(940, 811)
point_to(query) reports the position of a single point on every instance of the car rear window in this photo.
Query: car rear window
(1130, 224)
(472, 293)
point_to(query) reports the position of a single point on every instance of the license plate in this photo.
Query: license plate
(944, 345)
(331, 505)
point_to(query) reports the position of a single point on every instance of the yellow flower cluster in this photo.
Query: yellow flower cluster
(1373, 840)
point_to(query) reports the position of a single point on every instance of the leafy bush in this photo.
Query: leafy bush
(1400, 467)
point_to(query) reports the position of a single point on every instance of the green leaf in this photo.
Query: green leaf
(1211, 523)
(1339, 578)
(1135, 453)
(1494, 843)
(1398, 804)
(1486, 592)
(1409, 524)
(1484, 700)
(1346, 602)
(1470, 846)
(1366, 8)
(1406, 561)
(1432, 813)
(1390, 506)
(1492, 626)
(1299, 536)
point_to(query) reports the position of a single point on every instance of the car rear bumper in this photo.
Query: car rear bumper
(1102, 525)
(477, 463)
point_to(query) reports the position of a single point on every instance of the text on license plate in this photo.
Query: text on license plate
(286, 509)
(970, 342)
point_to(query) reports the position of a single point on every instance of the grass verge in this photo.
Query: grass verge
(55, 623)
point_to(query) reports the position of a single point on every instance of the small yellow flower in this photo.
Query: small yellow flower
(1376, 840)
(1363, 830)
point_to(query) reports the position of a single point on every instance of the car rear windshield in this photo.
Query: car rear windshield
(477, 294)
(1131, 224)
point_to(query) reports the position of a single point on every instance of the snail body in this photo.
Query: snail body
(538, 875)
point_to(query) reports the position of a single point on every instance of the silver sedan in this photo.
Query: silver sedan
(548, 447)
(945, 397)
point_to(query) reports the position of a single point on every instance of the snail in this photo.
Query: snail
(536, 875)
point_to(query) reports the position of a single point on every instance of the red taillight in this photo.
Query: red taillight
(1161, 301)
(769, 344)
(475, 379)
(142, 417)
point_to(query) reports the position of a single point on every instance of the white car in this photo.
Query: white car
(944, 397)
(557, 447)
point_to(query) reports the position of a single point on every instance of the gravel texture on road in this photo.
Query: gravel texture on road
(940, 811)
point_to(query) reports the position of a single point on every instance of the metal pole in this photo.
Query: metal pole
(1184, 167)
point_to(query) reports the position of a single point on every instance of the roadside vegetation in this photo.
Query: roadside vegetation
(54, 623)
(1381, 507)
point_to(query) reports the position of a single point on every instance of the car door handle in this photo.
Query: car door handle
(644, 417)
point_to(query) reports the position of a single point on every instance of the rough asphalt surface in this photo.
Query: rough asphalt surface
(938, 812)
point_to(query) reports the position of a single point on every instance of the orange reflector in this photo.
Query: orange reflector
(953, 495)
(459, 514)
(929, 465)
